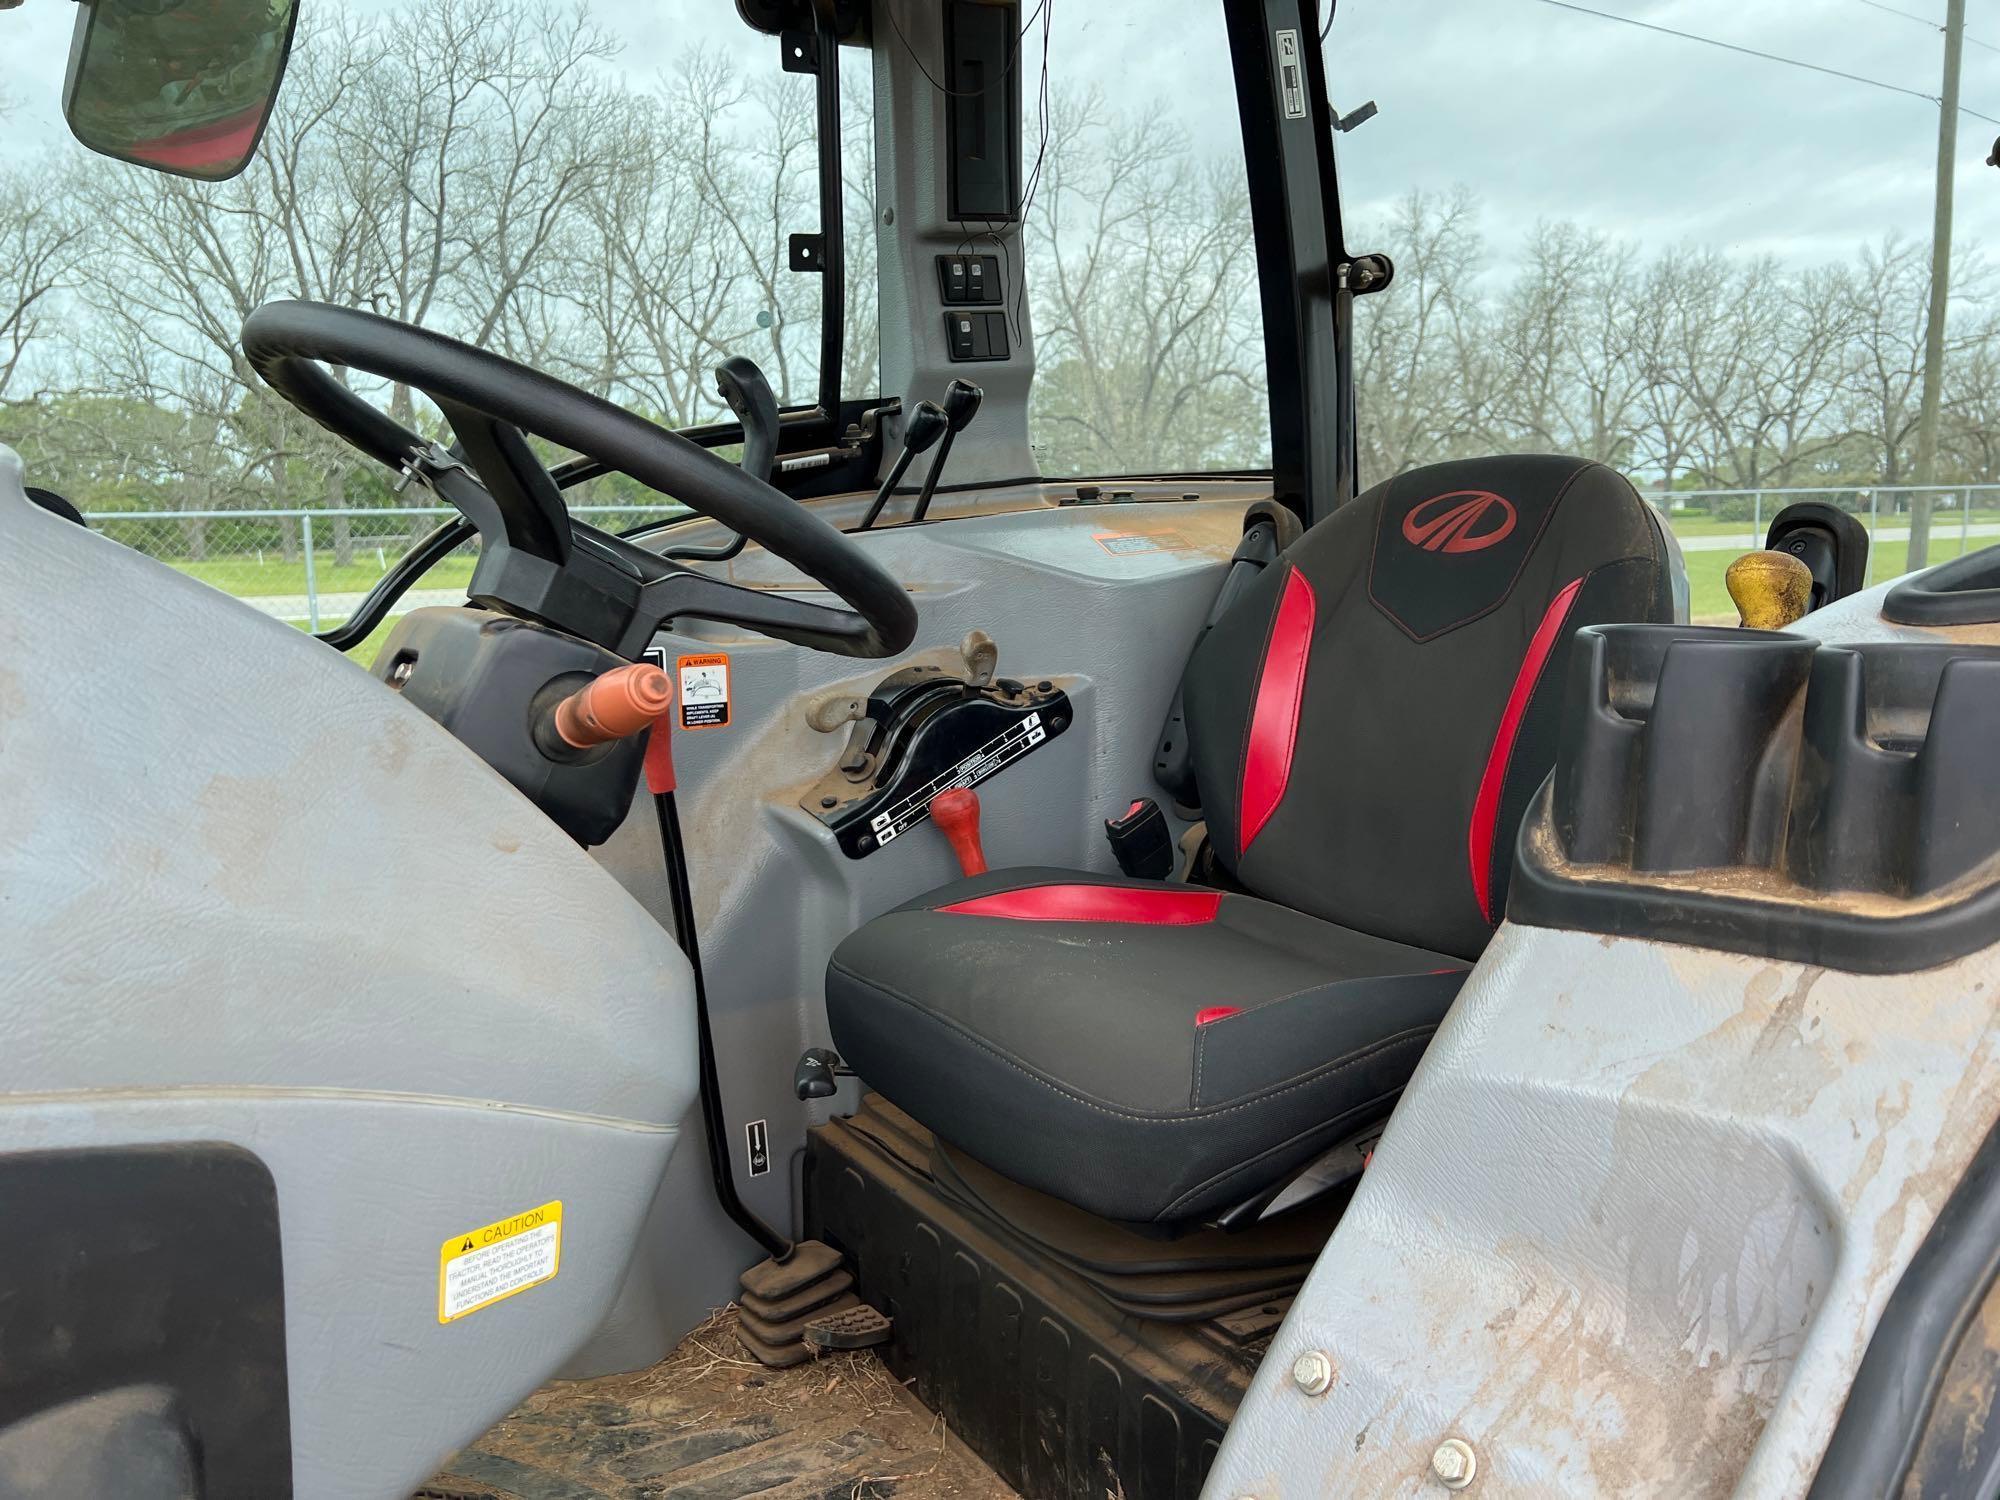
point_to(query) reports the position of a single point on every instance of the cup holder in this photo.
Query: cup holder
(1764, 793)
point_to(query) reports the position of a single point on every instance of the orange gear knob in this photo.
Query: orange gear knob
(956, 813)
(619, 704)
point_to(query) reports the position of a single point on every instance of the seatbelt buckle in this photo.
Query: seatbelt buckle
(1141, 841)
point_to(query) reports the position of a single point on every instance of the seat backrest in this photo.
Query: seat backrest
(1371, 718)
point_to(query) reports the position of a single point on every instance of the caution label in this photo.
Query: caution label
(480, 1267)
(704, 685)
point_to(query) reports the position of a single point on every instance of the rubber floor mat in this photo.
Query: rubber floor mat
(709, 1423)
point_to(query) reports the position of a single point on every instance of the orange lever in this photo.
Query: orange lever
(616, 706)
(956, 812)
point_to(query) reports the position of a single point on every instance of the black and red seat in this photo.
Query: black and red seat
(1369, 722)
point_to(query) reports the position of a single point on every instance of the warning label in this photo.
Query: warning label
(481, 1266)
(704, 685)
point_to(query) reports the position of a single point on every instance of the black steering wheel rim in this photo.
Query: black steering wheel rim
(289, 344)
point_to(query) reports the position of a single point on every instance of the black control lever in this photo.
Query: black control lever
(925, 424)
(961, 405)
(817, 1069)
(748, 394)
(743, 386)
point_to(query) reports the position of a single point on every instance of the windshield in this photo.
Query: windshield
(1141, 264)
(1692, 241)
(606, 193)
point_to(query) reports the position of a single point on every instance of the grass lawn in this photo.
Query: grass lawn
(1710, 596)
(247, 576)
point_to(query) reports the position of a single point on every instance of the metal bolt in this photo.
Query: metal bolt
(1454, 1463)
(1312, 1372)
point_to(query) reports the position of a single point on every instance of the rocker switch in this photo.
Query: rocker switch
(961, 332)
(976, 335)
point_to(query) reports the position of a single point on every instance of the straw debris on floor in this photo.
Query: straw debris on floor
(709, 1423)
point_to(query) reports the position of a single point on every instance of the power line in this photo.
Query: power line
(1790, 62)
(1923, 21)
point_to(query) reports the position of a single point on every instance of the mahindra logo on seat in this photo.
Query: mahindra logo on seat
(1461, 521)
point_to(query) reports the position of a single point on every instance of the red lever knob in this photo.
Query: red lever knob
(622, 702)
(956, 812)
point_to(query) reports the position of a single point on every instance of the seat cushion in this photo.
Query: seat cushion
(1147, 1052)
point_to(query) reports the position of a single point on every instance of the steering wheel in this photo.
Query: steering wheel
(536, 560)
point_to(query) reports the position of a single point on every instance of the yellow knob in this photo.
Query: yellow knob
(1771, 589)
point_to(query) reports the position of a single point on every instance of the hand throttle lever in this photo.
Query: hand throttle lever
(923, 427)
(961, 405)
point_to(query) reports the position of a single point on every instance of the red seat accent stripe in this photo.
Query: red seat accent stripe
(1216, 1013)
(1486, 806)
(1159, 907)
(1274, 718)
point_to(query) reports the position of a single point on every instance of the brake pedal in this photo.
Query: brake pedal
(781, 1296)
(856, 1327)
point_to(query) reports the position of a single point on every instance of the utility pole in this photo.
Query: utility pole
(1927, 412)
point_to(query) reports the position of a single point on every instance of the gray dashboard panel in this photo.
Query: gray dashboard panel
(773, 892)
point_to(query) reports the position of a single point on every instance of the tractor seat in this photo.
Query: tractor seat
(1368, 722)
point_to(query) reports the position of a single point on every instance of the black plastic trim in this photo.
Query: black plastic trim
(1895, 1393)
(1964, 591)
(1832, 939)
(1758, 792)
(151, 1266)
(1295, 215)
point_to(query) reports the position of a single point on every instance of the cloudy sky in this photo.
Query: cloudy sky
(1544, 111)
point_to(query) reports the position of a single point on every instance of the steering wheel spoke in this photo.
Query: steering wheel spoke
(519, 484)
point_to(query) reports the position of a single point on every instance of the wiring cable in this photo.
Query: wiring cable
(1790, 62)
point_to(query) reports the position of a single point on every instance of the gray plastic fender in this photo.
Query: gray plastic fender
(249, 895)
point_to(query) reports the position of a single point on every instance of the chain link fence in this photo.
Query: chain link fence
(1714, 527)
(314, 567)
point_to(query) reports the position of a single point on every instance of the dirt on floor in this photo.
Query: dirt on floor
(710, 1423)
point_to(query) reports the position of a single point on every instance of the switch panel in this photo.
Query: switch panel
(970, 278)
(976, 335)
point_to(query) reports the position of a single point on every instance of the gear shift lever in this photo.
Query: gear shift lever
(961, 405)
(956, 813)
(923, 427)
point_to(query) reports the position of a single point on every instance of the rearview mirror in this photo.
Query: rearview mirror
(182, 86)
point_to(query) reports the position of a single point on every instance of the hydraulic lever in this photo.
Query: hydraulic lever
(747, 393)
(921, 428)
(961, 405)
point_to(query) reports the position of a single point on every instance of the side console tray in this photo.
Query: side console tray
(1762, 793)
(1964, 591)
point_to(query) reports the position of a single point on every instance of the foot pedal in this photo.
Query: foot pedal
(781, 1335)
(776, 1356)
(812, 1299)
(808, 1262)
(856, 1327)
(781, 1296)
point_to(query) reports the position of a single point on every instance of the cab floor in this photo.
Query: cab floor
(709, 1423)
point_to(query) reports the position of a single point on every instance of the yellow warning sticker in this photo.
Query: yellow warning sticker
(480, 1267)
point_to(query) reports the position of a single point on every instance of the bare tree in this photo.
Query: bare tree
(41, 242)
(1425, 376)
(1151, 356)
